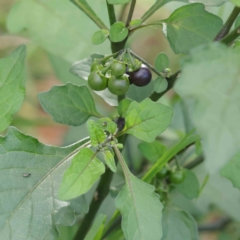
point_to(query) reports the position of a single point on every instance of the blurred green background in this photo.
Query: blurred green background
(57, 34)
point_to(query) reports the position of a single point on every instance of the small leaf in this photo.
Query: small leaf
(96, 231)
(191, 25)
(96, 133)
(160, 84)
(141, 210)
(84, 171)
(109, 159)
(178, 224)
(118, 32)
(135, 23)
(116, 2)
(123, 107)
(69, 104)
(146, 120)
(190, 186)
(161, 62)
(152, 151)
(100, 36)
(231, 170)
(108, 125)
(12, 85)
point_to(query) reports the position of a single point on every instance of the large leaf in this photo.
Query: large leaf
(84, 171)
(30, 177)
(12, 85)
(58, 26)
(190, 26)
(140, 208)
(69, 104)
(232, 170)
(146, 120)
(210, 86)
(82, 70)
(178, 224)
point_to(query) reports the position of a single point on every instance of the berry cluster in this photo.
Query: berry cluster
(118, 74)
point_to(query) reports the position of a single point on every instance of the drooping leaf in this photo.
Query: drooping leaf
(69, 104)
(96, 133)
(231, 170)
(58, 26)
(141, 210)
(190, 26)
(118, 32)
(161, 62)
(96, 231)
(116, 2)
(160, 84)
(83, 172)
(152, 151)
(12, 85)
(82, 69)
(30, 176)
(190, 186)
(212, 98)
(178, 224)
(146, 120)
(100, 36)
(109, 160)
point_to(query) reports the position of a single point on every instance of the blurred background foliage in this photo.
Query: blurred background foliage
(57, 34)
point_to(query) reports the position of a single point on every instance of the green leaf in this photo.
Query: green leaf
(109, 160)
(146, 120)
(212, 99)
(57, 27)
(190, 26)
(84, 171)
(236, 2)
(69, 104)
(152, 151)
(12, 85)
(96, 133)
(118, 32)
(108, 125)
(82, 69)
(160, 84)
(115, 2)
(141, 210)
(178, 224)
(27, 204)
(123, 107)
(100, 36)
(231, 170)
(161, 62)
(135, 23)
(190, 186)
(96, 231)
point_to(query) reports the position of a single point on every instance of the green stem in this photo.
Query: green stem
(111, 13)
(231, 36)
(90, 13)
(153, 9)
(228, 24)
(146, 63)
(130, 14)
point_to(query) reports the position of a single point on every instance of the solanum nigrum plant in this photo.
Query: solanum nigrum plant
(150, 113)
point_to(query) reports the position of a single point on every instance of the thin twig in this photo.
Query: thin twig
(130, 14)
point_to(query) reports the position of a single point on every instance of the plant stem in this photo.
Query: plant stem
(231, 37)
(152, 10)
(199, 159)
(130, 14)
(228, 24)
(90, 13)
(111, 13)
(146, 63)
(100, 193)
